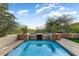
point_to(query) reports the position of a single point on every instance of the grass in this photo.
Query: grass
(74, 39)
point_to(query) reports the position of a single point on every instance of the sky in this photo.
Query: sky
(35, 14)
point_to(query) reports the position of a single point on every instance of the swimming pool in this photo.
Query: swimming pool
(39, 48)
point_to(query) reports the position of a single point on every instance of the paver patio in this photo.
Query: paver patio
(70, 45)
(6, 49)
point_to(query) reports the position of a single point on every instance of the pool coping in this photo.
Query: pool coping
(14, 47)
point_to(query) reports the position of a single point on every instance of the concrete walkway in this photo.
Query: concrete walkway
(6, 49)
(70, 45)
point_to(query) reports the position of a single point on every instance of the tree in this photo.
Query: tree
(24, 29)
(31, 30)
(40, 30)
(74, 27)
(64, 22)
(52, 25)
(59, 24)
(3, 7)
(7, 21)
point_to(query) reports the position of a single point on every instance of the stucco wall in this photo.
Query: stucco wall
(7, 40)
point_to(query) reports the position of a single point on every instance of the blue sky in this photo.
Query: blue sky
(35, 14)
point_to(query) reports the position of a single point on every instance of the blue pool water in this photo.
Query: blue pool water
(39, 48)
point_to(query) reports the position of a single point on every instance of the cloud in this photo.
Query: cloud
(54, 13)
(37, 6)
(62, 8)
(10, 11)
(31, 27)
(35, 27)
(60, 11)
(22, 12)
(57, 13)
(70, 12)
(40, 10)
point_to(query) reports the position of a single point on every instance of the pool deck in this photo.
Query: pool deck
(70, 45)
(6, 49)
